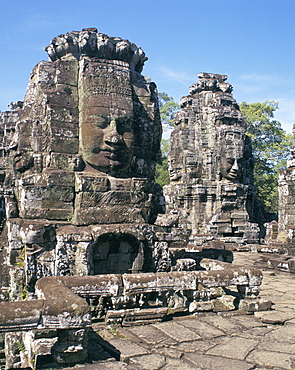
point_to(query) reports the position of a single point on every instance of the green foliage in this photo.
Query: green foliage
(162, 173)
(20, 347)
(168, 108)
(271, 147)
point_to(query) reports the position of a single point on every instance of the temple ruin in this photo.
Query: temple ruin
(278, 250)
(83, 226)
(211, 166)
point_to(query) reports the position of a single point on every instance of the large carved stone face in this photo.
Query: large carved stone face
(231, 168)
(107, 142)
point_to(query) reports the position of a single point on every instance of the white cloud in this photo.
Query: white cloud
(181, 77)
(255, 77)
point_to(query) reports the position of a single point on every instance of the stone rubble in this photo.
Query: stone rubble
(264, 340)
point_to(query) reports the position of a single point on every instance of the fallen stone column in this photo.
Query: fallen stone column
(57, 307)
(62, 308)
(20, 315)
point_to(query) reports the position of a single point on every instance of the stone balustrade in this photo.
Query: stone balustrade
(59, 303)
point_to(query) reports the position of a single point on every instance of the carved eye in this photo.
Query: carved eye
(124, 124)
(102, 122)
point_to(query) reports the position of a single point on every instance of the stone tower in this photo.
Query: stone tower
(286, 216)
(211, 165)
(78, 190)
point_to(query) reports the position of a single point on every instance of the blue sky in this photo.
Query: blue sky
(252, 41)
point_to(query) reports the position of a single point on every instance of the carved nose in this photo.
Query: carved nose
(114, 138)
(235, 166)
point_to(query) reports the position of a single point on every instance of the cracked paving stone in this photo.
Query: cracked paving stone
(205, 330)
(148, 362)
(173, 364)
(112, 365)
(168, 352)
(127, 349)
(148, 334)
(177, 331)
(272, 359)
(281, 334)
(255, 332)
(216, 363)
(283, 347)
(236, 348)
(275, 317)
(248, 321)
(198, 346)
(225, 324)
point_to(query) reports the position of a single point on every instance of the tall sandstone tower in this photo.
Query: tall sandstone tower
(211, 165)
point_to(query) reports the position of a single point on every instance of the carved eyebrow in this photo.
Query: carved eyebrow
(124, 118)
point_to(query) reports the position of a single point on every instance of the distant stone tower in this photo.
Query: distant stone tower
(211, 165)
(286, 216)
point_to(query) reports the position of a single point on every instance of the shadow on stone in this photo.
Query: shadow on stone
(99, 349)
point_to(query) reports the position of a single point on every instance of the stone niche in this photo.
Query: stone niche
(211, 166)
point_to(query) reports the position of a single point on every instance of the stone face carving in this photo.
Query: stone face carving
(210, 164)
(79, 195)
(85, 122)
(78, 198)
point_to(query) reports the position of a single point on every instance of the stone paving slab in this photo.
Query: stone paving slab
(275, 317)
(236, 348)
(216, 362)
(169, 352)
(227, 341)
(204, 330)
(272, 359)
(282, 347)
(110, 365)
(173, 364)
(282, 334)
(177, 332)
(200, 346)
(255, 332)
(148, 362)
(227, 325)
(150, 335)
(127, 349)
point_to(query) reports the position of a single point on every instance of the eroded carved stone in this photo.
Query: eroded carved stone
(79, 196)
(211, 165)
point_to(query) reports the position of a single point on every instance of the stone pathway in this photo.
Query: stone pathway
(229, 340)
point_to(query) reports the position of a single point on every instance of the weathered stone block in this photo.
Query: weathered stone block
(67, 145)
(91, 183)
(254, 305)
